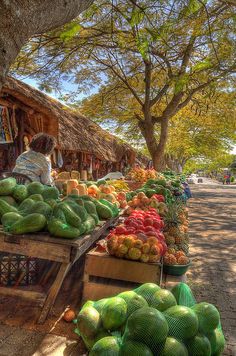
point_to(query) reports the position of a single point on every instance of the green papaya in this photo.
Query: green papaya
(71, 217)
(35, 188)
(9, 219)
(103, 211)
(20, 192)
(6, 208)
(7, 185)
(59, 229)
(28, 224)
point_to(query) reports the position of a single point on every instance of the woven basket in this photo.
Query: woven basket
(18, 270)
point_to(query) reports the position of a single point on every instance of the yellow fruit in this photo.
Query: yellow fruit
(144, 258)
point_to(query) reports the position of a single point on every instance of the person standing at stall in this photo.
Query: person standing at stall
(35, 163)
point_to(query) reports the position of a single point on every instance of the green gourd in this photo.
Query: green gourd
(43, 208)
(59, 229)
(7, 185)
(6, 208)
(71, 217)
(103, 211)
(28, 224)
(20, 192)
(9, 219)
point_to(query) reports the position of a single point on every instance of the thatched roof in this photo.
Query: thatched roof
(75, 132)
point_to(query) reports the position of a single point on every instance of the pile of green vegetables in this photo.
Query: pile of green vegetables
(151, 321)
(167, 186)
(36, 207)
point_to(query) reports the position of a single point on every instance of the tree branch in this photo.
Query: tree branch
(159, 95)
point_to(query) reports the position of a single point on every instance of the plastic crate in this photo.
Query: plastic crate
(18, 270)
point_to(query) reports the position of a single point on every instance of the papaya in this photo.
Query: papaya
(103, 211)
(95, 217)
(20, 192)
(79, 210)
(36, 197)
(50, 193)
(26, 206)
(28, 224)
(35, 188)
(90, 207)
(51, 202)
(9, 199)
(59, 229)
(89, 223)
(43, 208)
(7, 185)
(71, 217)
(9, 219)
(58, 214)
(113, 207)
(6, 208)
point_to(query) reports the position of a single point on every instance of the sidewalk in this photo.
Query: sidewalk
(213, 251)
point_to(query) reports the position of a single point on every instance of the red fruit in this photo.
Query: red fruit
(142, 236)
(140, 230)
(152, 233)
(130, 230)
(120, 230)
(150, 228)
(148, 222)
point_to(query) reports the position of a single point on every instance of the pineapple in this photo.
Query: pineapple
(179, 239)
(184, 247)
(170, 240)
(171, 219)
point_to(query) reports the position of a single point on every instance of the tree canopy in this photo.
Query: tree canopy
(157, 55)
(20, 20)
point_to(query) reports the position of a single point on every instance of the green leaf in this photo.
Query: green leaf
(181, 83)
(142, 45)
(192, 7)
(136, 17)
(70, 31)
(202, 65)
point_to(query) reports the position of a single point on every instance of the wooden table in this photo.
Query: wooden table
(43, 246)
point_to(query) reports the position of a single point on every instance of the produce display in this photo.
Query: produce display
(139, 238)
(35, 207)
(151, 321)
(141, 175)
(176, 235)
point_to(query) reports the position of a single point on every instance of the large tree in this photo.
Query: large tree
(158, 54)
(20, 20)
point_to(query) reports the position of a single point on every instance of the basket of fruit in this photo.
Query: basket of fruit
(176, 266)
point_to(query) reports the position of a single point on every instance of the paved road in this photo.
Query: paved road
(213, 250)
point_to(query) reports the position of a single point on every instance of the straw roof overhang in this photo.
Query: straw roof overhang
(75, 132)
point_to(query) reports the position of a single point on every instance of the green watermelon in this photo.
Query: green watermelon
(114, 313)
(107, 346)
(182, 321)
(89, 303)
(162, 300)
(146, 325)
(217, 341)
(133, 301)
(88, 322)
(208, 317)
(100, 304)
(130, 348)
(147, 290)
(89, 342)
(174, 347)
(183, 295)
(199, 345)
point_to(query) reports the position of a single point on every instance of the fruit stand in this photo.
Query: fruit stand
(42, 246)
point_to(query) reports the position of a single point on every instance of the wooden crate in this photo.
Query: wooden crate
(106, 276)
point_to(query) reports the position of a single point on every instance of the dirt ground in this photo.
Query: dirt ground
(213, 251)
(212, 277)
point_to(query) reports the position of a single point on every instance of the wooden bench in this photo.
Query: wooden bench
(63, 251)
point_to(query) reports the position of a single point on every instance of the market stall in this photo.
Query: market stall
(82, 145)
(143, 241)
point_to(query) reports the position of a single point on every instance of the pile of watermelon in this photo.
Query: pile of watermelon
(151, 321)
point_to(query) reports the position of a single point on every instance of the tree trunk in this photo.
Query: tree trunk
(156, 149)
(20, 20)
